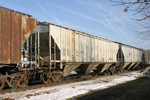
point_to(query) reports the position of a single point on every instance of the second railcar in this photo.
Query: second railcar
(70, 50)
(132, 56)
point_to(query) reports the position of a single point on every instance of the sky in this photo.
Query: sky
(95, 17)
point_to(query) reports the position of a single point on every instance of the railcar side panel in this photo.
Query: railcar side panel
(77, 53)
(127, 53)
(14, 31)
(6, 37)
(63, 44)
(15, 38)
(73, 46)
(132, 54)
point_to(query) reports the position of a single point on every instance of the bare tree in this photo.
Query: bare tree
(141, 13)
(141, 7)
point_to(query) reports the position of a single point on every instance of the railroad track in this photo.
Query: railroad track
(66, 80)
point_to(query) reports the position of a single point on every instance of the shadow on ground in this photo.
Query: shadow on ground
(138, 89)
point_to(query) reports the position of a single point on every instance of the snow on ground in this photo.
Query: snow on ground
(63, 92)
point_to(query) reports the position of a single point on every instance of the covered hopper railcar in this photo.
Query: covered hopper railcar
(75, 51)
(32, 50)
(132, 56)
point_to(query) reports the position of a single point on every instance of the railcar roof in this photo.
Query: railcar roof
(3, 8)
(48, 23)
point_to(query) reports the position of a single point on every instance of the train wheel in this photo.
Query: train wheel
(23, 82)
(2, 82)
(109, 72)
(50, 76)
(95, 73)
(56, 76)
(118, 69)
(14, 83)
(45, 78)
(121, 69)
(112, 70)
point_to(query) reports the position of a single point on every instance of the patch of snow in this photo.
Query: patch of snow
(63, 92)
(73, 73)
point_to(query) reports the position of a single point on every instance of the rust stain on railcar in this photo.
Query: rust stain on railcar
(6, 36)
(14, 31)
(28, 25)
(73, 46)
(15, 53)
(68, 46)
(68, 39)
